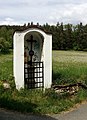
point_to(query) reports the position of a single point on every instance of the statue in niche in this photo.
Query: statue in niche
(25, 57)
(26, 53)
(37, 51)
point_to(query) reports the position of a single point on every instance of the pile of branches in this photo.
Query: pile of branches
(71, 88)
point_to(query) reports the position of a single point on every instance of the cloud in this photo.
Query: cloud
(65, 2)
(9, 21)
(70, 14)
(50, 11)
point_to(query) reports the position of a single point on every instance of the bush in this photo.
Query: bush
(4, 46)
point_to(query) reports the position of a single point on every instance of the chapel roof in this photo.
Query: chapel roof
(23, 28)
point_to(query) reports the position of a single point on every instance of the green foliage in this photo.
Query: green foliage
(6, 39)
(4, 46)
(65, 37)
(68, 37)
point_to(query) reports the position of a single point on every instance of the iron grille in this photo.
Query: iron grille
(33, 75)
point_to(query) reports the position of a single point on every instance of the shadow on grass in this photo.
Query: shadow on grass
(21, 106)
(56, 76)
(61, 78)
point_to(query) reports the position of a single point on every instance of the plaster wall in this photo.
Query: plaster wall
(19, 57)
(18, 60)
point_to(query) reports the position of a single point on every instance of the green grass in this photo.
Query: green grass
(6, 66)
(34, 101)
(68, 67)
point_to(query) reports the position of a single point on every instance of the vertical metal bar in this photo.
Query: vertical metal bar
(42, 75)
(33, 77)
(28, 76)
(24, 75)
(39, 74)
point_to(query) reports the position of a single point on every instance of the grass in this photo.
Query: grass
(68, 67)
(35, 101)
(6, 66)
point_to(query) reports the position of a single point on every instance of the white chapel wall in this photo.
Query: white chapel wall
(19, 60)
(19, 57)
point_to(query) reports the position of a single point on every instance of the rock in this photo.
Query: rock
(6, 85)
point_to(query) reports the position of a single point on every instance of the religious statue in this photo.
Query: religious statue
(25, 57)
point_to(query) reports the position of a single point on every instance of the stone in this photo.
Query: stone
(6, 85)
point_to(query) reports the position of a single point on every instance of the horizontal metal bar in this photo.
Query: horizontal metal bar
(33, 72)
(34, 77)
(32, 68)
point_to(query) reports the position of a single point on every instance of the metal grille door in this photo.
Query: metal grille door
(33, 75)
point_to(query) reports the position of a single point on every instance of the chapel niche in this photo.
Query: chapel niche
(33, 62)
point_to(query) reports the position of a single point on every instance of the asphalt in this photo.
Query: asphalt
(78, 113)
(8, 115)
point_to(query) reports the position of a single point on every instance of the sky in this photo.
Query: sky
(18, 12)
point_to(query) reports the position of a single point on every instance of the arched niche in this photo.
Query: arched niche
(33, 63)
(37, 46)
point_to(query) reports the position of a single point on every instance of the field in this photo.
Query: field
(68, 67)
(6, 66)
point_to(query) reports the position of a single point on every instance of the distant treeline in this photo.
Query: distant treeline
(68, 37)
(65, 37)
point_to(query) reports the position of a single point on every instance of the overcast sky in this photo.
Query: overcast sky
(43, 11)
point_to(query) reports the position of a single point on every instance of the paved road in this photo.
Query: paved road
(79, 113)
(7, 115)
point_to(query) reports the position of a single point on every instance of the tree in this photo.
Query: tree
(10, 37)
(4, 46)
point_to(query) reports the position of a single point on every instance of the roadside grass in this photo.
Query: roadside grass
(45, 102)
(37, 102)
